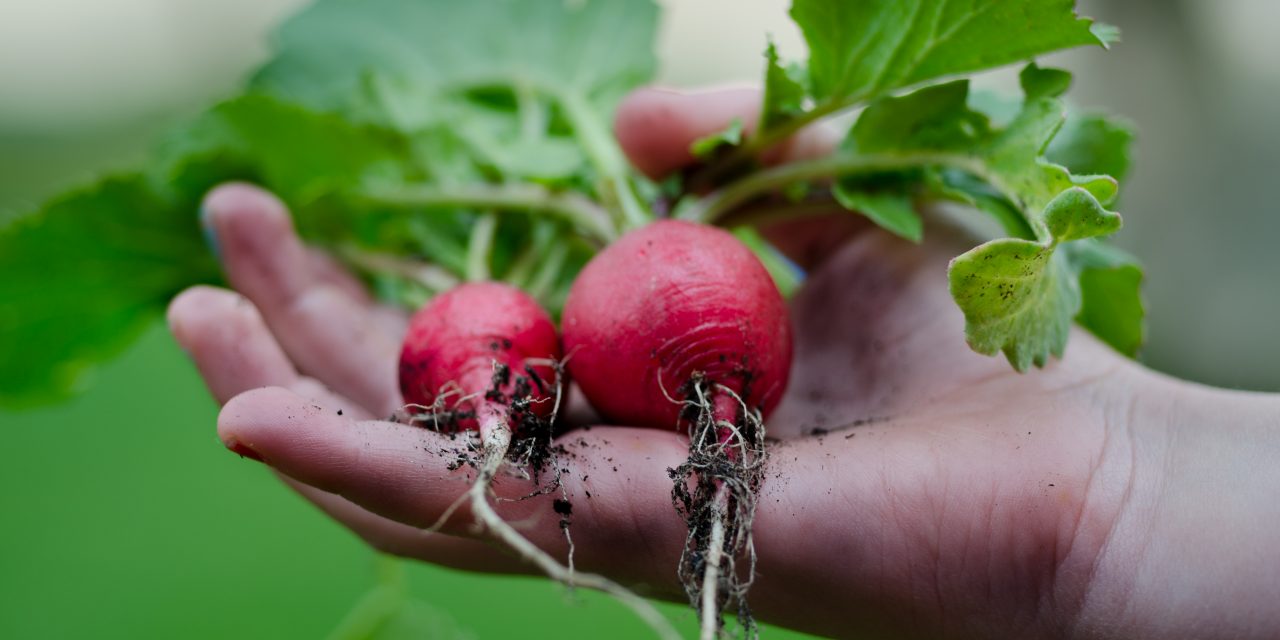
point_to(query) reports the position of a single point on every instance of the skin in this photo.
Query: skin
(670, 299)
(1093, 499)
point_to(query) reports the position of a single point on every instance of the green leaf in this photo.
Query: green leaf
(1040, 82)
(707, 146)
(961, 187)
(84, 275)
(598, 49)
(784, 92)
(91, 268)
(1093, 143)
(938, 120)
(934, 118)
(1075, 214)
(1110, 286)
(891, 210)
(318, 163)
(1018, 298)
(522, 69)
(1018, 294)
(860, 49)
(296, 152)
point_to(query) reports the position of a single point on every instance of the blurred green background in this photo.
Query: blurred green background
(125, 518)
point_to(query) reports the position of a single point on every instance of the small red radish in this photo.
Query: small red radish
(485, 356)
(668, 303)
(475, 350)
(678, 325)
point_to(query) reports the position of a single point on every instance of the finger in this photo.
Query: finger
(657, 126)
(234, 352)
(226, 338)
(326, 271)
(398, 539)
(393, 321)
(615, 479)
(326, 332)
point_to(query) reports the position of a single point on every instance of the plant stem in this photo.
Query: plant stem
(378, 605)
(715, 206)
(762, 141)
(533, 114)
(545, 277)
(607, 158)
(480, 247)
(579, 211)
(521, 269)
(430, 276)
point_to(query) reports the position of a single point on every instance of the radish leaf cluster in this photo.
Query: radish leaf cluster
(423, 142)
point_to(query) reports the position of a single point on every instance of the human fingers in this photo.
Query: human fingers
(614, 479)
(399, 539)
(327, 332)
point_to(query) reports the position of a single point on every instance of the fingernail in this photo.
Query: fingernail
(243, 450)
(210, 235)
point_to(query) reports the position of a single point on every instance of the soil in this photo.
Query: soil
(719, 482)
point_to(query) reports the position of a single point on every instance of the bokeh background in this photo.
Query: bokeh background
(122, 517)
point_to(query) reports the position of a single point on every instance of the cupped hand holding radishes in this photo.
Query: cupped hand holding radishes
(916, 489)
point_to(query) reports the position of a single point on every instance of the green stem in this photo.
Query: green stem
(602, 149)
(762, 141)
(579, 211)
(544, 233)
(533, 115)
(766, 140)
(545, 277)
(431, 277)
(480, 247)
(378, 605)
(712, 208)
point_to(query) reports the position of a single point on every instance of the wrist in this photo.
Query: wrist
(1193, 549)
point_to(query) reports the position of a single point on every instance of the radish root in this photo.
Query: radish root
(711, 575)
(498, 446)
(715, 490)
(496, 443)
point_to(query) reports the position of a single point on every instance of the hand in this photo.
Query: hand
(949, 496)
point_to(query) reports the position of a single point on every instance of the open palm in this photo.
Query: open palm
(918, 489)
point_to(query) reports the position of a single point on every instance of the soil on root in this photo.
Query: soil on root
(524, 446)
(532, 450)
(715, 491)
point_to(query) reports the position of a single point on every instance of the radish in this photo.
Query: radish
(678, 325)
(482, 356)
(486, 357)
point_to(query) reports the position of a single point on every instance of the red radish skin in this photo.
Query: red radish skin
(668, 301)
(456, 339)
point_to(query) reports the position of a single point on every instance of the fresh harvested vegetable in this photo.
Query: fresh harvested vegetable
(666, 302)
(485, 356)
(678, 325)
(479, 352)
(429, 142)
